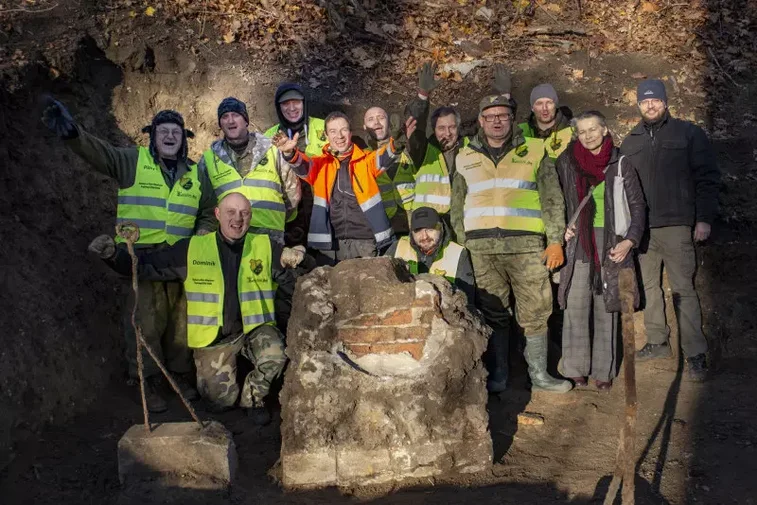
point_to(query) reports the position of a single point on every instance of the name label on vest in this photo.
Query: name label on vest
(208, 263)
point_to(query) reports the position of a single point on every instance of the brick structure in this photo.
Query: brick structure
(386, 380)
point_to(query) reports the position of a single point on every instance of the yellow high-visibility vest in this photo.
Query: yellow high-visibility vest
(205, 289)
(504, 196)
(163, 214)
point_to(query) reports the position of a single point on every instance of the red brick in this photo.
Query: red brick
(396, 317)
(385, 334)
(414, 348)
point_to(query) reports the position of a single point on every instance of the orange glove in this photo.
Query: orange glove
(553, 256)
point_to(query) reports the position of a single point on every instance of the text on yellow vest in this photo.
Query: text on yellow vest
(163, 214)
(205, 289)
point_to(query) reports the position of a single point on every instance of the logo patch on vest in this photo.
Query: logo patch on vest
(263, 160)
(256, 266)
(321, 134)
(439, 271)
(555, 144)
(521, 151)
(185, 182)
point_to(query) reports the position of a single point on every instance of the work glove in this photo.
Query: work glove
(104, 246)
(553, 256)
(502, 82)
(292, 256)
(57, 118)
(426, 81)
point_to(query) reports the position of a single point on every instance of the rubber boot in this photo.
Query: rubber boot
(536, 357)
(496, 358)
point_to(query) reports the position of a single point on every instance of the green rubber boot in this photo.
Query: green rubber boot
(536, 357)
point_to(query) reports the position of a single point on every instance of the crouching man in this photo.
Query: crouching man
(430, 249)
(230, 278)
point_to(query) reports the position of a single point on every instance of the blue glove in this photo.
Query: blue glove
(57, 118)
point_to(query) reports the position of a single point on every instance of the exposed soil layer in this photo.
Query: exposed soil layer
(64, 399)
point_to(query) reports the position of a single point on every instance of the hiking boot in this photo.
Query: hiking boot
(697, 368)
(185, 386)
(497, 381)
(259, 416)
(155, 402)
(653, 351)
(536, 357)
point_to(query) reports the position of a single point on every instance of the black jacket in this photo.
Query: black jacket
(464, 280)
(170, 264)
(678, 171)
(567, 167)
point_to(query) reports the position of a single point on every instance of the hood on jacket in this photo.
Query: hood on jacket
(283, 88)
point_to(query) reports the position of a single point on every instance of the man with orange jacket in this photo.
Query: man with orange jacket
(348, 219)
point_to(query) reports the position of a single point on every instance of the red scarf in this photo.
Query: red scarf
(591, 172)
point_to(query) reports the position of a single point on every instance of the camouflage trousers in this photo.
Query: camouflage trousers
(497, 277)
(162, 315)
(217, 367)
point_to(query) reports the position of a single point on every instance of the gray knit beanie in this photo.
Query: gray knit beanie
(543, 91)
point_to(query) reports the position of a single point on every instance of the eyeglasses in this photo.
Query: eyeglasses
(649, 102)
(490, 118)
(165, 132)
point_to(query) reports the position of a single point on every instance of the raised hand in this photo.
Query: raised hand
(57, 118)
(426, 81)
(284, 144)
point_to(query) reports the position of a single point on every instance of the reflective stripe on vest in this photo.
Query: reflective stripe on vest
(367, 194)
(506, 196)
(444, 265)
(205, 290)
(316, 138)
(432, 182)
(261, 185)
(162, 214)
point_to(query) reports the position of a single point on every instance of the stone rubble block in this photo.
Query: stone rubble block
(385, 381)
(207, 454)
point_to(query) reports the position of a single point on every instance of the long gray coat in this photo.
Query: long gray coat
(567, 167)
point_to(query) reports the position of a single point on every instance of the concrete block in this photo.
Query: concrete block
(178, 448)
(311, 468)
(355, 464)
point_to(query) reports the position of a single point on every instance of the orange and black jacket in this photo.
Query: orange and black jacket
(321, 173)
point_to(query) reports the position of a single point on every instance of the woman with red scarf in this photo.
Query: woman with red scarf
(588, 291)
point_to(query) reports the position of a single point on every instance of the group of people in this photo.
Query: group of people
(497, 213)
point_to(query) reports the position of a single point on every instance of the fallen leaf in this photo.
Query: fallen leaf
(485, 13)
(150, 11)
(629, 96)
(554, 8)
(229, 37)
(530, 419)
(578, 73)
(638, 75)
(374, 28)
(649, 7)
(132, 14)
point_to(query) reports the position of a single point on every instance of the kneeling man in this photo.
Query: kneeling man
(230, 278)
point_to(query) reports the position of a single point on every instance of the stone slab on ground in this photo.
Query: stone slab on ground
(386, 381)
(207, 454)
